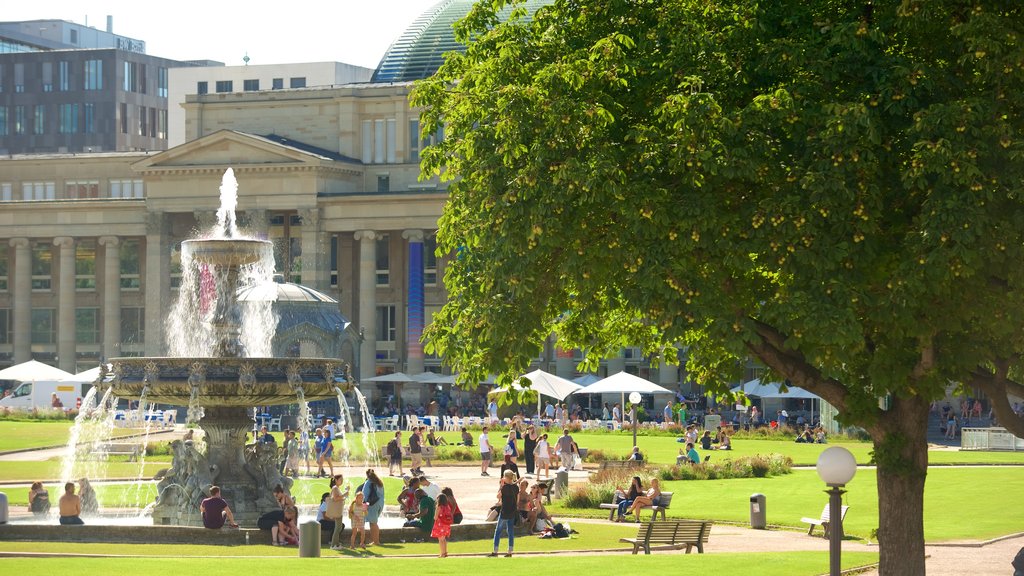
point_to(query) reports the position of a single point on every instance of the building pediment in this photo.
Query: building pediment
(242, 151)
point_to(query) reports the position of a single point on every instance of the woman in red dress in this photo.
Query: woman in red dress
(442, 524)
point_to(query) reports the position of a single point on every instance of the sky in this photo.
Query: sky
(350, 31)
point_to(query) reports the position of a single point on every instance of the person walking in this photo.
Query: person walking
(564, 448)
(508, 494)
(373, 494)
(529, 446)
(394, 450)
(416, 451)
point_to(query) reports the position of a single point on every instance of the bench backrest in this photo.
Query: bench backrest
(666, 499)
(826, 514)
(675, 531)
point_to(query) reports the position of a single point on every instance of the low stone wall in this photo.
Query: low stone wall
(192, 535)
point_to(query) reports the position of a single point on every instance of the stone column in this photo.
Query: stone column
(312, 255)
(157, 282)
(414, 303)
(66, 305)
(111, 296)
(22, 299)
(367, 302)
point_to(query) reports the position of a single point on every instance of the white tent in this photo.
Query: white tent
(772, 390)
(587, 379)
(624, 383)
(33, 370)
(545, 384)
(88, 376)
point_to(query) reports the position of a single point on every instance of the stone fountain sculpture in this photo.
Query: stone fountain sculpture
(213, 369)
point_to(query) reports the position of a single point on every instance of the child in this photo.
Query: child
(443, 523)
(357, 514)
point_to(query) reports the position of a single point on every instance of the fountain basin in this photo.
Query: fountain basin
(226, 382)
(227, 251)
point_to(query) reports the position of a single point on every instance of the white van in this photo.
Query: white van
(39, 394)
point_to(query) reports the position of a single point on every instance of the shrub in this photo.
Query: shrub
(459, 454)
(745, 467)
(599, 455)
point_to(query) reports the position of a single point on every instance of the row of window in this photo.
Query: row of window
(75, 118)
(43, 324)
(73, 190)
(225, 86)
(85, 265)
(144, 121)
(63, 77)
(379, 143)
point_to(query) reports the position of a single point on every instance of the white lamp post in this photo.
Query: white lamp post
(634, 398)
(836, 466)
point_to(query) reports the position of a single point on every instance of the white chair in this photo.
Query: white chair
(392, 424)
(275, 424)
(412, 421)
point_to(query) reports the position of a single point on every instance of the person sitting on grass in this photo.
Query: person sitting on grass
(725, 443)
(705, 440)
(215, 511)
(467, 438)
(692, 454)
(435, 440)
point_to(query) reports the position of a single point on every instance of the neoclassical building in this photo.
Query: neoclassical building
(330, 174)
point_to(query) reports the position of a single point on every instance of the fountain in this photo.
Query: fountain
(220, 368)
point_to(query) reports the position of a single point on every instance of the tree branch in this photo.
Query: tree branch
(771, 349)
(996, 387)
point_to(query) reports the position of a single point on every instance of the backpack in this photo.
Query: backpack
(374, 497)
(393, 448)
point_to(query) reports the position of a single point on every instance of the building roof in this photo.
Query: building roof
(307, 148)
(420, 50)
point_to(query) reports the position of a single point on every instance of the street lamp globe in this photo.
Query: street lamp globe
(635, 397)
(836, 466)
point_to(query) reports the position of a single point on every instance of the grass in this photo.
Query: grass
(26, 434)
(769, 564)
(49, 470)
(793, 496)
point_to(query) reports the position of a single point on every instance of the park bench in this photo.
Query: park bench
(428, 453)
(675, 534)
(131, 450)
(620, 464)
(826, 517)
(546, 487)
(666, 501)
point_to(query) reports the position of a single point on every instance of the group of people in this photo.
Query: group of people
(430, 508)
(296, 448)
(518, 502)
(631, 500)
(71, 505)
(537, 451)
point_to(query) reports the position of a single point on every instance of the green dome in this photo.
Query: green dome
(419, 51)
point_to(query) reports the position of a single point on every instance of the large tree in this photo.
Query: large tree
(832, 187)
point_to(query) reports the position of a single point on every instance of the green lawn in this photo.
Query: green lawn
(793, 496)
(181, 562)
(22, 435)
(49, 470)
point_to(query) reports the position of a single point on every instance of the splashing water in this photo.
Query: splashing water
(369, 431)
(226, 227)
(343, 426)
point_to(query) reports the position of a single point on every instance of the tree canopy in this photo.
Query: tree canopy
(834, 188)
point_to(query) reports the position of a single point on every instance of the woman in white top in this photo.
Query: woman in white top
(542, 454)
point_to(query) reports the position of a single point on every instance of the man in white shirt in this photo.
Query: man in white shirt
(432, 490)
(616, 414)
(485, 452)
(549, 410)
(492, 411)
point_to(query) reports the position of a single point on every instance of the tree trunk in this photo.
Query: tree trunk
(901, 453)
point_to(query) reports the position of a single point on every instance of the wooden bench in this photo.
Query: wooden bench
(547, 486)
(428, 452)
(620, 464)
(825, 520)
(666, 501)
(676, 534)
(132, 451)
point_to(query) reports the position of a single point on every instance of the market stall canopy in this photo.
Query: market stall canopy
(624, 383)
(393, 377)
(33, 370)
(772, 390)
(587, 379)
(87, 377)
(546, 385)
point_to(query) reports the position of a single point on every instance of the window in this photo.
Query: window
(383, 183)
(386, 330)
(161, 82)
(80, 189)
(124, 117)
(378, 139)
(85, 265)
(42, 266)
(334, 260)
(143, 127)
(430, 260)
(417, 144)
(90, 118)
(94, 74)
(225, 86)
(39, 125)
(68, 120)
(6, 191)
(44, 329)
(64, 76)
(5, 326)
(176, 266)
(383, 260)
(3, 268)
(133, 325)
(161, 124)
(277, 83)
(152, 122)
(251, 85)
(202, 88)
(73, 36)
(130, 268)
(379, 126)
(3, 121)
(132, 79)
(19, 119)
(295, 257)
(47, 76)
(87, 326)
(38, 191)
(297, 82)
(19, 77)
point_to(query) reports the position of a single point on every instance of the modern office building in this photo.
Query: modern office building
(329, 173)
(68, 88)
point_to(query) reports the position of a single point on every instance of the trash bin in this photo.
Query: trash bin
(758, 518)
(561, 484)
(3, 508)
(309, 539)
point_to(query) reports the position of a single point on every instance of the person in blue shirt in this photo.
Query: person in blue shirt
(692, 454)
(265, 437)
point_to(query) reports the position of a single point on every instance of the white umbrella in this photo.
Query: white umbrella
(33, 370)
(624, 383)
(587, 379)
(545, 384)
(393, 377)
(88, 376)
